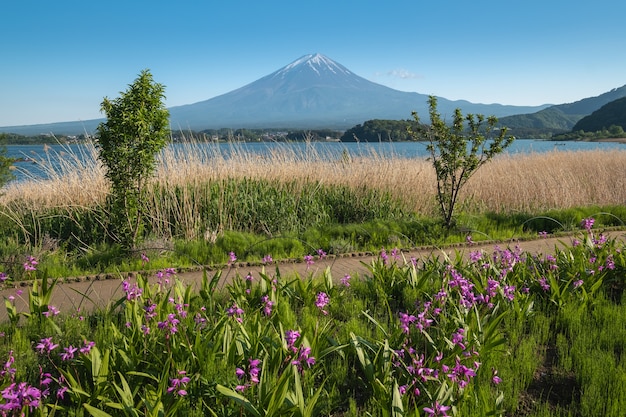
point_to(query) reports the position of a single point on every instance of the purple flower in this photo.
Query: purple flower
(170, 324)
(543, 234)
(587, 223)
(177, 385)
(144, 258)
(267, 305)
(8, 366)
(322, 301)
(253, 373)
(235, 312)
(267, 259)
(30, 264)
(18, 396)
(87, 347)
(475, 256)
(68, 353)
(46, 345)
(495, 378)
(254, 370)
(303, 358)
(232, 258)
(291, 336)
(321, 253)
(52, 311)
(384, 256)
(509, 292)
(405, 321)
(345, 281)
(309, 261)
(457, 338)
(132, 290)
(437, 410)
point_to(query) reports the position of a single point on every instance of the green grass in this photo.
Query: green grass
(398, 338)
(200, 224)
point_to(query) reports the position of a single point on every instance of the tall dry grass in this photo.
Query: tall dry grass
(509, 183)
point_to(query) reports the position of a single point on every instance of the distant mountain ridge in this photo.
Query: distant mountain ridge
(561, 117)
(611, 114)
(311, 92)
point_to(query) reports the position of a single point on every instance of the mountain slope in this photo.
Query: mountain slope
(317, 92)
(314, 91)
(611, 114)
(561, 117)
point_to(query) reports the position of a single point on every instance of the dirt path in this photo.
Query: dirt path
(87, 294)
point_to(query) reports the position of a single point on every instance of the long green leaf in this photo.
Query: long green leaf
(397, 407)
(240, 399)
(93, 411)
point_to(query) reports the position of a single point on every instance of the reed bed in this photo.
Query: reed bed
(187, 176)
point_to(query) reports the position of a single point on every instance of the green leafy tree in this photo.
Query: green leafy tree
(457, 151)
(136, 130)
(6, 174)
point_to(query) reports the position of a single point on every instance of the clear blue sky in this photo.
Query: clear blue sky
(60, 58)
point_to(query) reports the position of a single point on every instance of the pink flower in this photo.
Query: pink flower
(588, 223)
(46, 345)
(437, 410)
(68, 353)
(309, 261)
(267, 305)
(322, 301)
(177, 385)
(30, 264)
(345, 281)
(495, 378)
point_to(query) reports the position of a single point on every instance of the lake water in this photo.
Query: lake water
(29, 154)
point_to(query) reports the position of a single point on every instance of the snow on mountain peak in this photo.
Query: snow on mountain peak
(317, 63)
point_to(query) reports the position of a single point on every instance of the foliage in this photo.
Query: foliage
(456, 153)
(379, 130)
(559, 118)
(613, 132)
(135, 131)
(5, 162)
(462, 336)
(611, 114)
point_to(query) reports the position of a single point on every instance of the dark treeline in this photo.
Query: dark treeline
(259, 135)
(16, 139)
(609, 121)
(380, 130)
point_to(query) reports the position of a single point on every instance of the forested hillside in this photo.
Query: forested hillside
(611, 114)
(560, 118)
(379, 130)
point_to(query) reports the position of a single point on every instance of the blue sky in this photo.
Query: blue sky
(59, 59)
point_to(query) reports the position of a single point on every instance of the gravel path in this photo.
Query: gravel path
(87, 294)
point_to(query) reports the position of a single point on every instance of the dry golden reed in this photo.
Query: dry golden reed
(510, 183)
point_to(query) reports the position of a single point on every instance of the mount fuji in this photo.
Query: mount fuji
(316, 92)
(311, 92)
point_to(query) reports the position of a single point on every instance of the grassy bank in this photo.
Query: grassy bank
(504, 333)
(204, 203)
